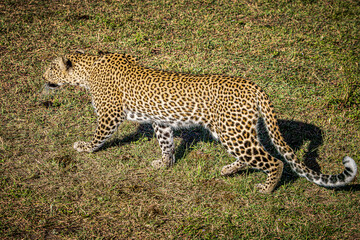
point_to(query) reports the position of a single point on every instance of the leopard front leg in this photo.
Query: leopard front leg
(164, 135)
(106, 126)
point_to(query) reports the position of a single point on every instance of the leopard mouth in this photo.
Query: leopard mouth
(52, 85)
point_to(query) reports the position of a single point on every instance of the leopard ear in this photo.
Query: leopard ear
(65, 64)
(81, 51)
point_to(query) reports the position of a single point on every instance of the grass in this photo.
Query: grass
(305, 54)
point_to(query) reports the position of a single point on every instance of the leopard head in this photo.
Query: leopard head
(58, 73)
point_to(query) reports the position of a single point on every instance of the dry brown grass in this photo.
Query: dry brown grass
(303, 53)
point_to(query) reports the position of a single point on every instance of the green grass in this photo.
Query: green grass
(304, 54)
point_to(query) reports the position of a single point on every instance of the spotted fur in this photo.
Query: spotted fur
(229, 107)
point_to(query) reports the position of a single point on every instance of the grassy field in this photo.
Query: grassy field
(304, 54)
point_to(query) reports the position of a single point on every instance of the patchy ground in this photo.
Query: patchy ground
(304, 54)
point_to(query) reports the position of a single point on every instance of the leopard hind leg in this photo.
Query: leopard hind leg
(256, 157)
(244, 145)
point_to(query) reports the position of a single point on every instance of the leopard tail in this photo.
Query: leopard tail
(331, 181)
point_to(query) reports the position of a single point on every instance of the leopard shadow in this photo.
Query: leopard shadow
(296, 134)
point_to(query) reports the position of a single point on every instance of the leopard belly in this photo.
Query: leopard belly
(172, 121)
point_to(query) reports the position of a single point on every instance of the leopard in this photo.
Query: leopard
(229, 107)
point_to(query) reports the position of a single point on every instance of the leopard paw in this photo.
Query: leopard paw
(232, 168)
(158, 164)
(82, 146)
(261, 188)
(227, 170)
